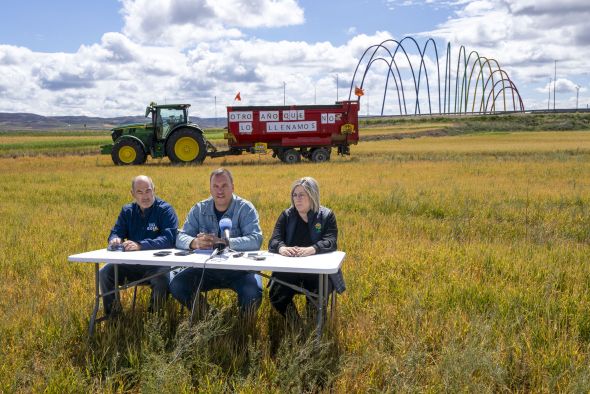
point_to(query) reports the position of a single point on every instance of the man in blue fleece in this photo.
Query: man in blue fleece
(147, 223)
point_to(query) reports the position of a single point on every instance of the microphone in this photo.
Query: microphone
(225, 227)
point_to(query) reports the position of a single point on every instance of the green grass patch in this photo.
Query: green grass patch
(467, 124)
(214, 134)
(52, 145)
(54, 133)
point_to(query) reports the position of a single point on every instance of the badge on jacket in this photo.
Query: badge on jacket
(318, 227)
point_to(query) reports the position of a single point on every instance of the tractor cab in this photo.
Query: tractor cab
(165, 118)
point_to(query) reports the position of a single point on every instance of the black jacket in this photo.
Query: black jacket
(323, 231)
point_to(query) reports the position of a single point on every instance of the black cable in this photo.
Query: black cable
(215, 252)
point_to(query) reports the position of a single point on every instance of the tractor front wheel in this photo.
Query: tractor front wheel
(127, 151)
(186, 146)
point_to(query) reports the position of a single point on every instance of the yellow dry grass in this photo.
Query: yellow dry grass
(467, 265)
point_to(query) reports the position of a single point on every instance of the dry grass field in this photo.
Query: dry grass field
(467, 271)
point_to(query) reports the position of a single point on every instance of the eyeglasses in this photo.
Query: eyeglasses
(299, 195)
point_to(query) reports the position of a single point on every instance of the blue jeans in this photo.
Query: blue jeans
(131, 273)
(248, 285)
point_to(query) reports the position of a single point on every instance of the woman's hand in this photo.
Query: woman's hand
(305, 251)
(289, 251)
(296, 251)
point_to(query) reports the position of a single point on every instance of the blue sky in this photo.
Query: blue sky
(58, 26)
(64, 25)
(109, 58)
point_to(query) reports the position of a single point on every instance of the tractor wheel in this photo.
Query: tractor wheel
(127, 151)
(291, 156)
(319, 155)
(186, 146)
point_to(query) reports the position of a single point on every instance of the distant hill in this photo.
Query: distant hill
(26, 121)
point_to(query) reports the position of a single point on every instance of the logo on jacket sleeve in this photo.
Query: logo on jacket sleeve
(318, 227)
(152, 227)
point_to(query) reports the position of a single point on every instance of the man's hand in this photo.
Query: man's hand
(131, 245)
(115, 241)
(205, 241)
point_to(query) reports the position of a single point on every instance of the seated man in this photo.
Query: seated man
(201, 231)
(147, 223)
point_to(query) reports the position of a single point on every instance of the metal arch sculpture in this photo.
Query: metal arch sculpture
(491, 81)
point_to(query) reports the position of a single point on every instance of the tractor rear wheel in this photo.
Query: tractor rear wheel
(291, 156)
(186, 146)
(319, 155)
(127, 151)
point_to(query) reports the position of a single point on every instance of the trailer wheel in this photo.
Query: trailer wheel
(278, 153)
(291, 156)
(127, 151)
(319, 155)
(186, 146)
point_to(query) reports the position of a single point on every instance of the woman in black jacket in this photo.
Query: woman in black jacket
(304, 229)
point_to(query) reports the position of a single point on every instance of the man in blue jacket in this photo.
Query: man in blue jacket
(147, 223)
(201, 231)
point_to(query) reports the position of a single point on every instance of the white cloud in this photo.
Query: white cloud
(562, 85)
(525, 36)
(184, 23)
(120, 48)
(193, 51)
(118, 76)
(521, 31)
(351, 31)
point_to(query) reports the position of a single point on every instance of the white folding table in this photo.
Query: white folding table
(321, 264)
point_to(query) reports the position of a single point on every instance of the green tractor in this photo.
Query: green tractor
(169, 133)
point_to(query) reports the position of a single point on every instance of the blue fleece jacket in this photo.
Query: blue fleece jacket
(155, 228)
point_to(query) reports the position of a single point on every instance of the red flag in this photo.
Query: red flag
(358, 91)
(238, 97)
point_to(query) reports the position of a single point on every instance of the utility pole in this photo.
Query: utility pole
(215, 111)
(549, 98)
(554, 83)
(577, 95)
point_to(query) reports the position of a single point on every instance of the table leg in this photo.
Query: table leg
(117, 299)
(321, 306)
(96, 300)
(327, 314)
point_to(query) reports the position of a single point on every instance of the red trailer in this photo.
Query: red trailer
(290, 132)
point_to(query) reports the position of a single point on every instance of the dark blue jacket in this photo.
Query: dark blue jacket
(323, 231)
(155, 229)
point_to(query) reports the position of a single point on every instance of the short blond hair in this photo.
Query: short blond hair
(312, 189)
